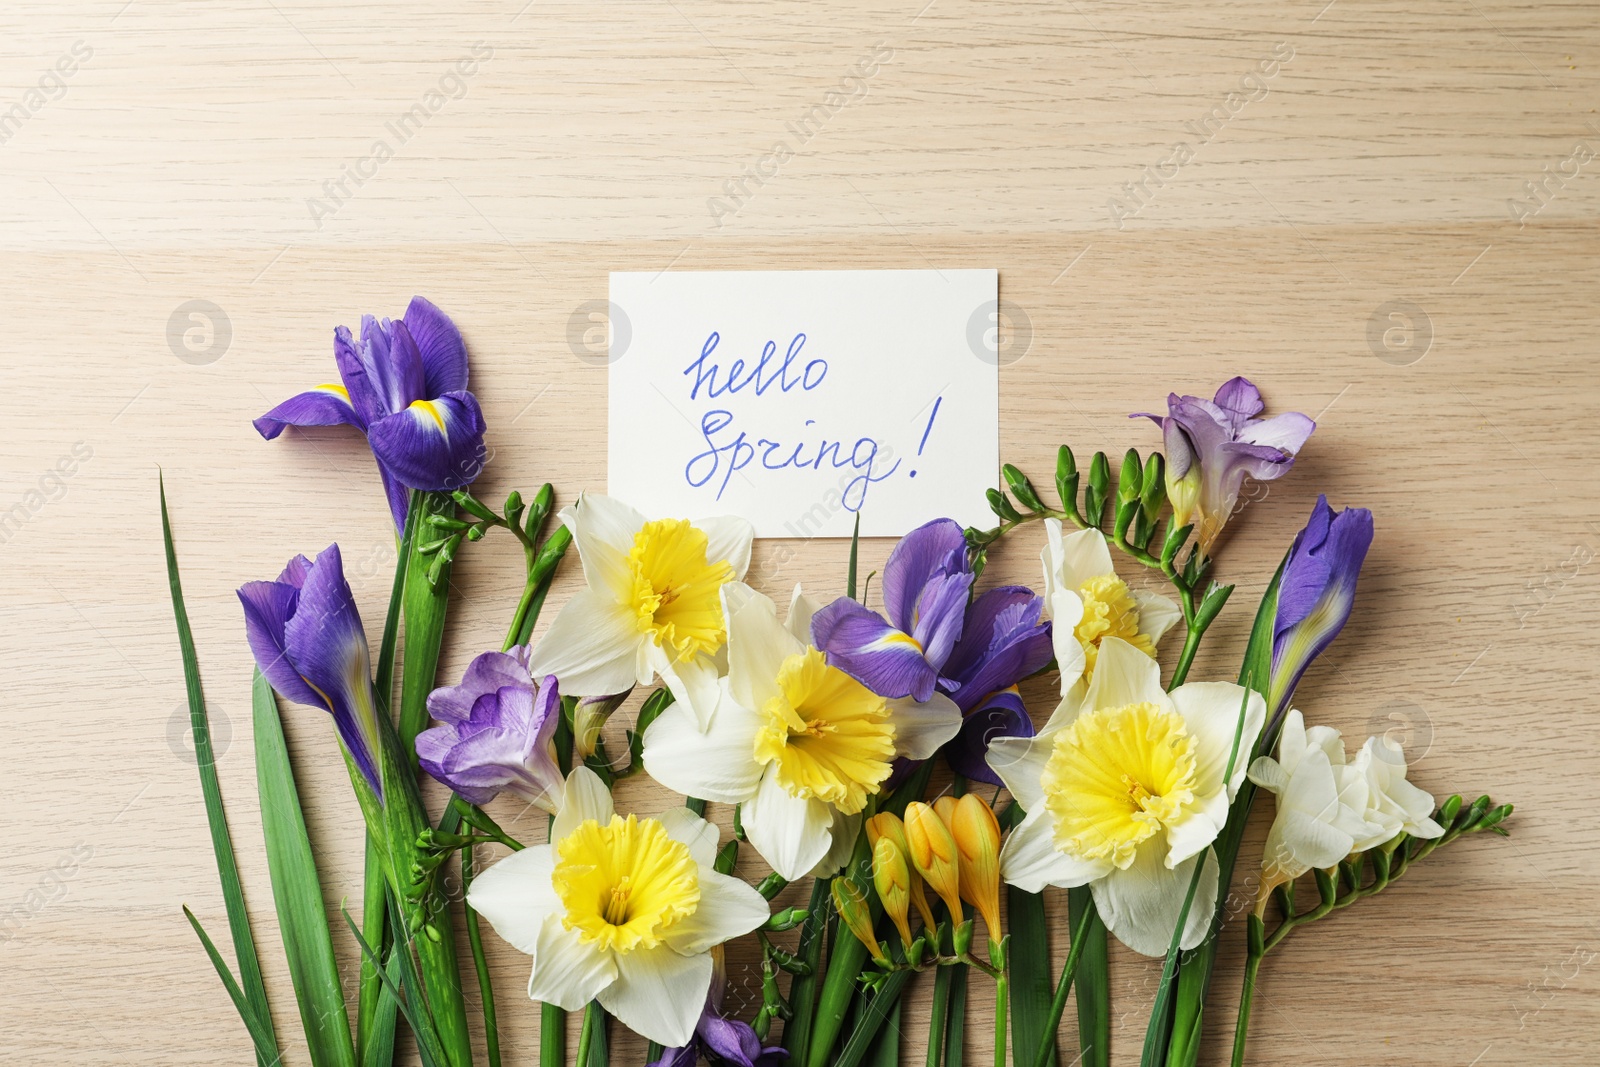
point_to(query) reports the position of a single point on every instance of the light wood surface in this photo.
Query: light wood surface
(1376, 165)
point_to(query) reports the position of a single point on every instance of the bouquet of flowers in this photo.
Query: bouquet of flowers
(820, 725)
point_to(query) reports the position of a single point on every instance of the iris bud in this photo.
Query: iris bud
(977, 836)
(933, 854)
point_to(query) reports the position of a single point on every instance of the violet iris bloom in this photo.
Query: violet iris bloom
(1315, 593)
(1212, 445)
(306, 635)
(721, 1040)
(925, 586)
(494, 732)
(1005, 640)
(405, 388)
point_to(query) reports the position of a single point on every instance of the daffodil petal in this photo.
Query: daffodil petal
(1030, 860)
(694, 683)
(1210, 712)
(604, 528)
(798, 621)
(659, 993)
(591, 647)
(728, 538)
(792, 834)
(1084, 555)
(568, 972)
(844, 831)
(757, 645)
(1122, 675)
(717, 764)
(699, 835)
(1020, 762)
(1157, 614)
(585, 797)
(1140, 905)
(516, 896)
(728, 908)
(921, 728)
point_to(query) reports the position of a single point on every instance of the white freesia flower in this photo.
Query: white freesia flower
(798, 742)
(621, 910)
(1393, 803)
(652, 606)
(1088, 603)
(1125, 792)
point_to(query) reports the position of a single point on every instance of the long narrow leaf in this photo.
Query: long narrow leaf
(427, 1045)
(260, 1033)
(1030, 973)
(1092, 986)
(297, 892)
(244, 945)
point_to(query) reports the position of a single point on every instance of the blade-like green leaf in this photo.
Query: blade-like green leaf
(297, 892)
(886, 1048)
(260, 1033)
(244, 945)
(405, 998)
(1092, 986)
(1030, 973)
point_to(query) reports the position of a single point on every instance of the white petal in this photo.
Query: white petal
(1020, 761)
(685, 826)
(1030, 860)
(1140, 905)
(1195, 828)
(1123, 675)
(716, 764)
(791, 834)
(1157, 614)
(604, 529)
(567, 972)
(516, 896)
(843, 832)
(1084, 555)
(1210, 710)
(1066, 610)
(1269, 774)
(919, 729)
(757, 645)
(728, 909)
(728, 538)
(801, 608)
(590, 647)
(659, 994)
(585, 797)
(1050, 556)
(694, 684)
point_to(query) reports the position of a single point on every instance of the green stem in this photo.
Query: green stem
(1252, 966)
(804, 988)
(591, 1023)
(938, 1015)
(491, 1030)
(541, 571)
(1059, 1003)
(1002, 990)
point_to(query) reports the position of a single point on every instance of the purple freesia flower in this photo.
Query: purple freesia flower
(405, 388)
(494, 732)
(1315, 593)
(306, 635)
(1212, 445)
(721, 1040)
(925, 586)
(1004, 640)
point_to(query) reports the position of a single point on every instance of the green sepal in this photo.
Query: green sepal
(1021, 488)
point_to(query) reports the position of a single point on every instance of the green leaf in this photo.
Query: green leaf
(885, 1050)
(405, 997)
(423, 605)
(260, 1033)
(955, 1037)
(1030, 973)
(804, 989)
(297, 892)
(244, 945)
(855, 545)
(1092, 984)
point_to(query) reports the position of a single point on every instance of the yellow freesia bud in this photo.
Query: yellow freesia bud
(851, 904)
(933, 854)
(888, 824)
(945, 807)
(977, 836)
(891, 874)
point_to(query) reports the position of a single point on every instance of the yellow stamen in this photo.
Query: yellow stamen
(829, 735)
(624, 884)
(1116, 777)
(1109, 610)
(676, 588)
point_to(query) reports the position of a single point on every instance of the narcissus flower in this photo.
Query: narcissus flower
(306, 635)
(800, 743)
(925, 584)
(1213, 445)
(1088, 603)
(1125, 792)
(495, 732)
(625, 911)
(653, 606)
(1316, 592)
(405, 388)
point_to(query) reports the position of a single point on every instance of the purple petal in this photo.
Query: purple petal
(1005, 641)
(392, 362)
(432, 444)
(487, 673)
(326, 405)
(864, 646)
(444, 354)
(940, 614)
(351, 357)
(397, 494)
(1240, 401)
(1316, 592)
(1288, 432)
(931, 550)
(268, 607)
(1003, 716)
(686, 1056)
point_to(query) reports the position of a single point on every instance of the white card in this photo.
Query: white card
(798, 399)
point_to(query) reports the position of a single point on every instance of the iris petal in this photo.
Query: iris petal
(438, 341)
(432, 444)
(326, 405)
(860, 643)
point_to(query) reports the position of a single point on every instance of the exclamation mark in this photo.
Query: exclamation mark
(929, 429)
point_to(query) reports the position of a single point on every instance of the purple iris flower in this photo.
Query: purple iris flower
(306, 635)
(925, 586)
(405, 388)
(1005, 639)
(1212, 445)
(1315, 592)
(720, 1040)
(494, 732)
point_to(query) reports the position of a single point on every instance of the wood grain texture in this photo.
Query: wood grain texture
(1377, 164)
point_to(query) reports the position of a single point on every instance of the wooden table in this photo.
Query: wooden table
(1355, 231)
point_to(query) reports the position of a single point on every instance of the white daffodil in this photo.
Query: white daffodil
(1125, 792)
(798, 742)
(1393, 804)
(1088, 603)
(1321, 804)
(621, 910)
(652, 606)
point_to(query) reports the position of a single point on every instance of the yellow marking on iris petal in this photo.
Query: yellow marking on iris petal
(1109, 610)
(1115, 778)
(676, 591)
(829, 735)
(625, 884)
(896, 637)
(431, 409)
(336, 389)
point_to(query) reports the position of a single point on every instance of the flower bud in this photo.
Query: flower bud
(945, 807)
(888, 824)
(891, 875)
(977, 836)
(851, 904)
(589, 718)
(933, 854)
